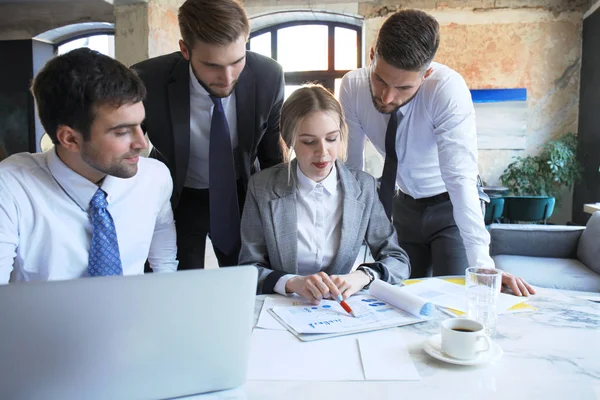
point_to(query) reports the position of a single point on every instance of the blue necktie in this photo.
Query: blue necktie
(223, 197)
(387, 185)
(105, 258)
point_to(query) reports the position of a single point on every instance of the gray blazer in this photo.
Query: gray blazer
(270, 227)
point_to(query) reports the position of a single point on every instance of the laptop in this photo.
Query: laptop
(151, 336)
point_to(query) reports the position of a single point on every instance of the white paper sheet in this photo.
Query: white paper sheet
(454, 296)
(279, 356)
(330, 317)
(384, 357)
(266, 320)
(400, 298)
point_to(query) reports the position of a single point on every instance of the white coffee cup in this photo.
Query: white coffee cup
(462, 338)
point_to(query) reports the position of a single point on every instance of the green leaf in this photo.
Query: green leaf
(546, 173)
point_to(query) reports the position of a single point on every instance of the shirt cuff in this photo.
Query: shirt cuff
(280, 285)
(375, 273)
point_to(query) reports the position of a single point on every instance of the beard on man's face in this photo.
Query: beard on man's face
(384, 108)
(378, 104)
(211, 90)
(390, 107)
(219, 92)
(216, 91)
(116, 166)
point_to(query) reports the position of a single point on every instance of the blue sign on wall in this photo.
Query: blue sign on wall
(501, 118)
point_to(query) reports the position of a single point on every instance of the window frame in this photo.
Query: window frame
(83, 35)
(325, 77)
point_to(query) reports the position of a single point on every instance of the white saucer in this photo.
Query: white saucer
(433, 347)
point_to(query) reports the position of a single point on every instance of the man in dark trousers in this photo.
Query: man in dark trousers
(212, 115)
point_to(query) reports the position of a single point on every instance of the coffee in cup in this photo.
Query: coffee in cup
(464, 338)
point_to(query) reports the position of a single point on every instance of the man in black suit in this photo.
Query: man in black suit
(212, 114)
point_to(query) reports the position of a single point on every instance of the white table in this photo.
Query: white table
(553, 353)
(591, 208)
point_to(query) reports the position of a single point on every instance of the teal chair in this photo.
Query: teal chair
(494, 210)
(528, 208)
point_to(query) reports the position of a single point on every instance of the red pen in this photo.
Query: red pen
(344, 305)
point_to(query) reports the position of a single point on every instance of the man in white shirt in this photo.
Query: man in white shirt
(90, 206)
(419, 115)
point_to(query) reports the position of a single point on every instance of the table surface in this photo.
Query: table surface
(553, 353)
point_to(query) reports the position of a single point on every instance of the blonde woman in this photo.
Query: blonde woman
(305, 220)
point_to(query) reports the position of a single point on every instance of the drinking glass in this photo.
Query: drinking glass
(483, 288)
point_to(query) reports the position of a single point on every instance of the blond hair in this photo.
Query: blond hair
(309, 99)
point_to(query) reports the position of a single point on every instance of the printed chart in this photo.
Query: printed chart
(330, 317)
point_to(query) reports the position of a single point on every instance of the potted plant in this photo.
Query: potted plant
(535, 181)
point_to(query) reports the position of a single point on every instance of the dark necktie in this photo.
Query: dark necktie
(105, 258)
(224, 209)
(387, 185)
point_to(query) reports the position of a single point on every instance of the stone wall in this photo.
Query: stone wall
(147, 29)
(164, 28)
(535, 44)
(535, 49)
(131, 33)
(26, 20)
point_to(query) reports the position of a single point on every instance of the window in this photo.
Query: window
(312, 51)
(104, 44)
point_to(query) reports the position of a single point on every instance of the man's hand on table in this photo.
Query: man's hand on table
(517, 285)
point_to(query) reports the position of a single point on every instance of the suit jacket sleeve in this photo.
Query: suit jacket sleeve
(269, 152)
(391, 261)
(254, 246)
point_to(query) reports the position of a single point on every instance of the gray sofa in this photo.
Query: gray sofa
(553, 256)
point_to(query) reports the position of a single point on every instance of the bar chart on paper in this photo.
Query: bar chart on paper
(329, 317)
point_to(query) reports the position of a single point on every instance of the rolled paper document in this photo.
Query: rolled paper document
(397, 297)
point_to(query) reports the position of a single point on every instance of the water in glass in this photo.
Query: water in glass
(481, 306)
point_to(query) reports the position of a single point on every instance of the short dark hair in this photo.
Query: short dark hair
(212, 21)
(70, 87)
(408, 40)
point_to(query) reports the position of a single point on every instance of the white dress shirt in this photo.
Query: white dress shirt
(45, 225)
(201, 109)
(436, 143)
(319, 213)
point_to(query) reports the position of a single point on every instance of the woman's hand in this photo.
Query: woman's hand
(350, 283)
(313, 288)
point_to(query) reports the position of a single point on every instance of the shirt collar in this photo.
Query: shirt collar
(307, 185)
(400, 112)
(80, 189)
